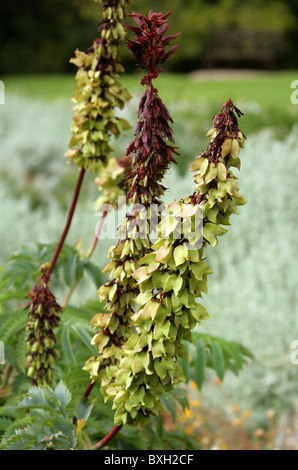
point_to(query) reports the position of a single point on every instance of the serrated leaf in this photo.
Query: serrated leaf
(66, 344)
(5, 423)
(13, 324)
(69, 270)
(84, 336)
(21, 350)
(62, 394)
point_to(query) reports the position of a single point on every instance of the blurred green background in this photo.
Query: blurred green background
(40, 36)
(253, 294)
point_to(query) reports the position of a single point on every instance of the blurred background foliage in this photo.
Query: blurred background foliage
(40, 36)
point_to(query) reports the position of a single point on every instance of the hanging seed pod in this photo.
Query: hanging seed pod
(99, 92)
(110, 182)
(173, 277)
(43, 319)
(152, 157)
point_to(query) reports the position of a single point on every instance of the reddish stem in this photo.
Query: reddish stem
(98, 230)
(88, 390)
(107, 438)
(69, 219)
(85, 396)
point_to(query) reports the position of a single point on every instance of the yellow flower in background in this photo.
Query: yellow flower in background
(217, 381)
(193, 385)
(223, 447)
(271, 413)
(188, 413)
(195, 403)
(189, 429)
(259, 432)
(246, 414)
(235, 408)
(237, 422)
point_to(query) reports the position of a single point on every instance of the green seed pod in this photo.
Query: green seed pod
(99, 93)
(152, 157)
(43, 319)
(177, 269)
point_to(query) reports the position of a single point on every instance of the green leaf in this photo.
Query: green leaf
(62, 394)
(5, 296)
(200, 363)
(12, 324)
(84, 336)
(69, 270)
(185, 364)
(66, 344)
(218, 360)
(21, 350)
(171, 405)
(93, 271)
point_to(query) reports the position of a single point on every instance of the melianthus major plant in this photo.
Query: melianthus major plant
(149, 303)
(139, 350)
(152, 158)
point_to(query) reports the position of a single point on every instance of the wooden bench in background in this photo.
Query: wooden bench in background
(228, 47)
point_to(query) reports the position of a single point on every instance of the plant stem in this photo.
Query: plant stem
(88, 256)
(107, 438)
(88, 390)
(85, 396)
(98, 231)
(69, 219)
(7, 374)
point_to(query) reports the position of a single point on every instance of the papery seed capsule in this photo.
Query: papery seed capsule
(31, 371)
(109, 13)
(120, 13)
(35, 346)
